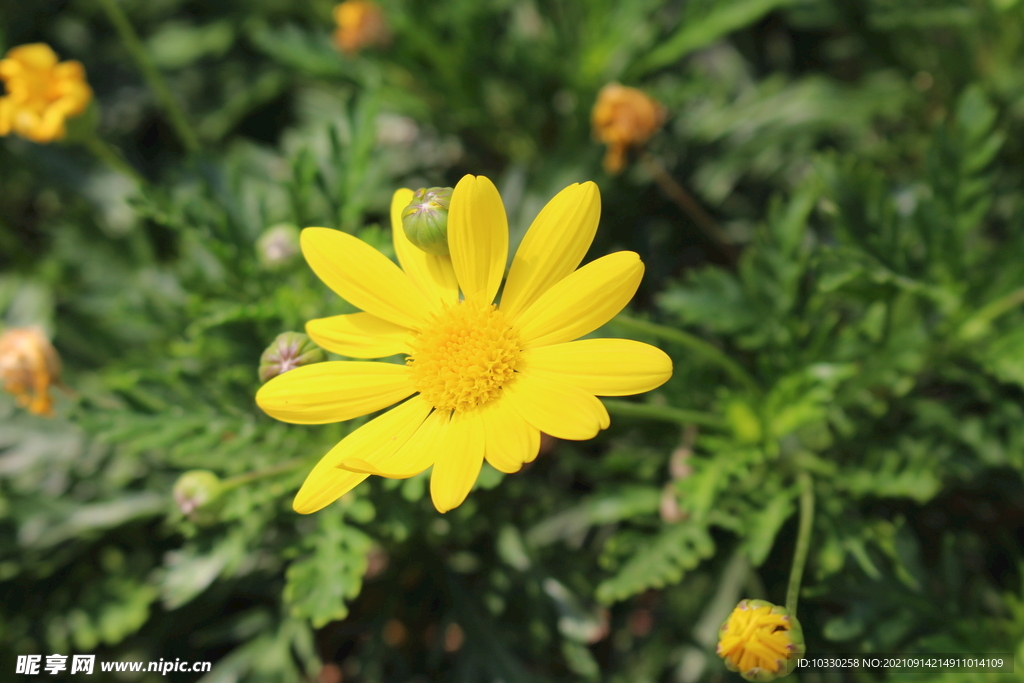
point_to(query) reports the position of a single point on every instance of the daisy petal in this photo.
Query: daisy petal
(605, 367)
(561, 410)
(375, 440)
(334, 391)
(553, 247)
(363, 276)
(583, 301)
(359, 335)
(416, 455)
(509, 439)
(434, 275)
(460, 455)
(478, 237)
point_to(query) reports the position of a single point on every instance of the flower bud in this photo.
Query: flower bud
(29, 365)
(41, 93)
(196, 493)
(425, 219)
(623, 118)
(289, 350)
(761, 641)
(278, 245)
(361, 23)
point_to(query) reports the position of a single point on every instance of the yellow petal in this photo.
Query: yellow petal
(561, 410)
(363, 276)
(554, 245)
(416, 455)
(509, 439)
(359, 335)
(434, 275)
(583, 301)
(478, 237)
(334, 391)
(460, 455)
(377, 439)
(605, 367)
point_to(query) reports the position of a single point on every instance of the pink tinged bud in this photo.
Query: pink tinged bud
(196, 489)
(287, 352)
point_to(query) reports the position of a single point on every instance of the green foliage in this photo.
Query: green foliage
(855, 315)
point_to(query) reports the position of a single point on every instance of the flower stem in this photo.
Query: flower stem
(663, 413)
(685, 201)
(692, 342)
(803, 542)
(149, 71)
(106, 153)
(287, 466)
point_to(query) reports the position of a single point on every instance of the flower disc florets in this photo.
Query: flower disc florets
(760, 640)
(464, 355)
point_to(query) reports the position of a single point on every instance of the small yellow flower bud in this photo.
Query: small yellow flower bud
(623, 118)
(761, 641)
(278, 245)
(197, 493)
(29, 365)
(361, 23)
(41, 93)
(289, 350)
(425, 219)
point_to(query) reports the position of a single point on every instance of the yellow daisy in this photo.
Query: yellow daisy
(485, 379)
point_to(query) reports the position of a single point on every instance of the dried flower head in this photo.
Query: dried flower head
(28, 366)
(622, 118)
(760, 640)
(361, 23)
(41, 93)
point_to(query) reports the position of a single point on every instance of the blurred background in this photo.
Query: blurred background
(827, 197)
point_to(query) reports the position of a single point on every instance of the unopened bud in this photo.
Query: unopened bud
(278, 245)
(196, 493)
(425, 219)
(761, 641)
(288, 351)
(29, 366)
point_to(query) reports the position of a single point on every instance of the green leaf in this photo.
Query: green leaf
(765, 526)
(319, 584)
(695, 33)
(663, 561)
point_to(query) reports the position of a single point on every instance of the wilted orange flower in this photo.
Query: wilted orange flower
(28, 366)
(360, 23)
(41, 94)
(622, 118)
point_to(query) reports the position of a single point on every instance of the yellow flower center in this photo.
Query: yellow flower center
(755, 638)
(464, 355)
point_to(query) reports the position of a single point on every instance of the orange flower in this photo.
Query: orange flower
(360, 23)
(28, 366)
(622, 118)
(41, 94)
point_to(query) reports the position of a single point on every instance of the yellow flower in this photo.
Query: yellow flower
(360, 23)
(487, 379)
(28, 366)
(622, 118)
(41, 94)
(760, 640)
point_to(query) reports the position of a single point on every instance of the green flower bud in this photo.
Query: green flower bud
(289, 350)
(196, 493)
(425, 220)
(761, 641)
(278, 245)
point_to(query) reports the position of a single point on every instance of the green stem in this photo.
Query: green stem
(803, 542)
(149, 71)
(663, 413)
(692, 342)
(977, 325)
(106, 153)
(287, 466)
